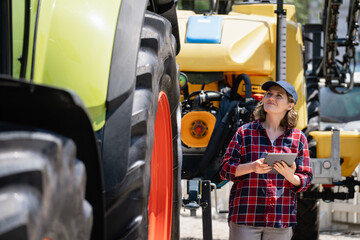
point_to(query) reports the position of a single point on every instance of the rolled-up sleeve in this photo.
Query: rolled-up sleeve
(231, 158)
(303, 166)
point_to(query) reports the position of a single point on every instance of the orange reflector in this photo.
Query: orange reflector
(196, 128)
(257, 96)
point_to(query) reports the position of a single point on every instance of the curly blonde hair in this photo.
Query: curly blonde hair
(290, 119)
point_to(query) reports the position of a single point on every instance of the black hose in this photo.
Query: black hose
(206, 97)
(236, 83)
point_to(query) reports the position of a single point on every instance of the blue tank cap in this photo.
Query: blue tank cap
(204, 29)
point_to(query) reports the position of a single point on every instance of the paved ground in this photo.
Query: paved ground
(191, 229)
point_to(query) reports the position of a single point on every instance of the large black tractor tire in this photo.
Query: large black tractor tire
(156, 89)
(42, 188)
(308, 209)
(313, 105)
(157, 73)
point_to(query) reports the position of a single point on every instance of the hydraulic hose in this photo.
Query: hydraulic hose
(248, 90)
(207, 96)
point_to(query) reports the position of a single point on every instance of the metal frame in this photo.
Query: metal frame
(200, 196)
(328, 170)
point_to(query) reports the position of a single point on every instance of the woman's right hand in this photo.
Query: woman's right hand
(260, 167)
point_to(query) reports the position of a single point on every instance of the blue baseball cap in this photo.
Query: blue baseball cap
(285, 85)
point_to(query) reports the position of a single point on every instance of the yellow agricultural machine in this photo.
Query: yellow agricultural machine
(231, 49)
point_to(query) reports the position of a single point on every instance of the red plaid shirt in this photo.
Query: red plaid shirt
(264, 200)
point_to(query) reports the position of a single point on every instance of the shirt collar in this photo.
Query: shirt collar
(258, 126)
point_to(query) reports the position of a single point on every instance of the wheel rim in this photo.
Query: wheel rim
(160, 200)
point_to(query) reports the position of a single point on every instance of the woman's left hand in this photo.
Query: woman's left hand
(284, 169)
(287, 172)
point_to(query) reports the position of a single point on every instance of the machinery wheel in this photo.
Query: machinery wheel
(157, 88)
(313, 103)
(308, 209)
(42, 188)
(150, 192)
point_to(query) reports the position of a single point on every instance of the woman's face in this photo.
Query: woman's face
(276, 101)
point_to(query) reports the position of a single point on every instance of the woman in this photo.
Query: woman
(261, 205)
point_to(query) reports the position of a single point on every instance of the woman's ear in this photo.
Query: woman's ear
(291, 106)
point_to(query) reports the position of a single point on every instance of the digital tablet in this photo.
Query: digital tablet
(271, 158)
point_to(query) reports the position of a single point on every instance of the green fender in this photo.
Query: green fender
(74, 42)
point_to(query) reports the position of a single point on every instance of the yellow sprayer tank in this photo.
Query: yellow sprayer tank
(349, 148)
(247, 45)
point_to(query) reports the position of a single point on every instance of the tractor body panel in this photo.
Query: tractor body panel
(76, 43)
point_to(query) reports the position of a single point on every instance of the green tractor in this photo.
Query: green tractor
(89, 100)
(229, 49)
